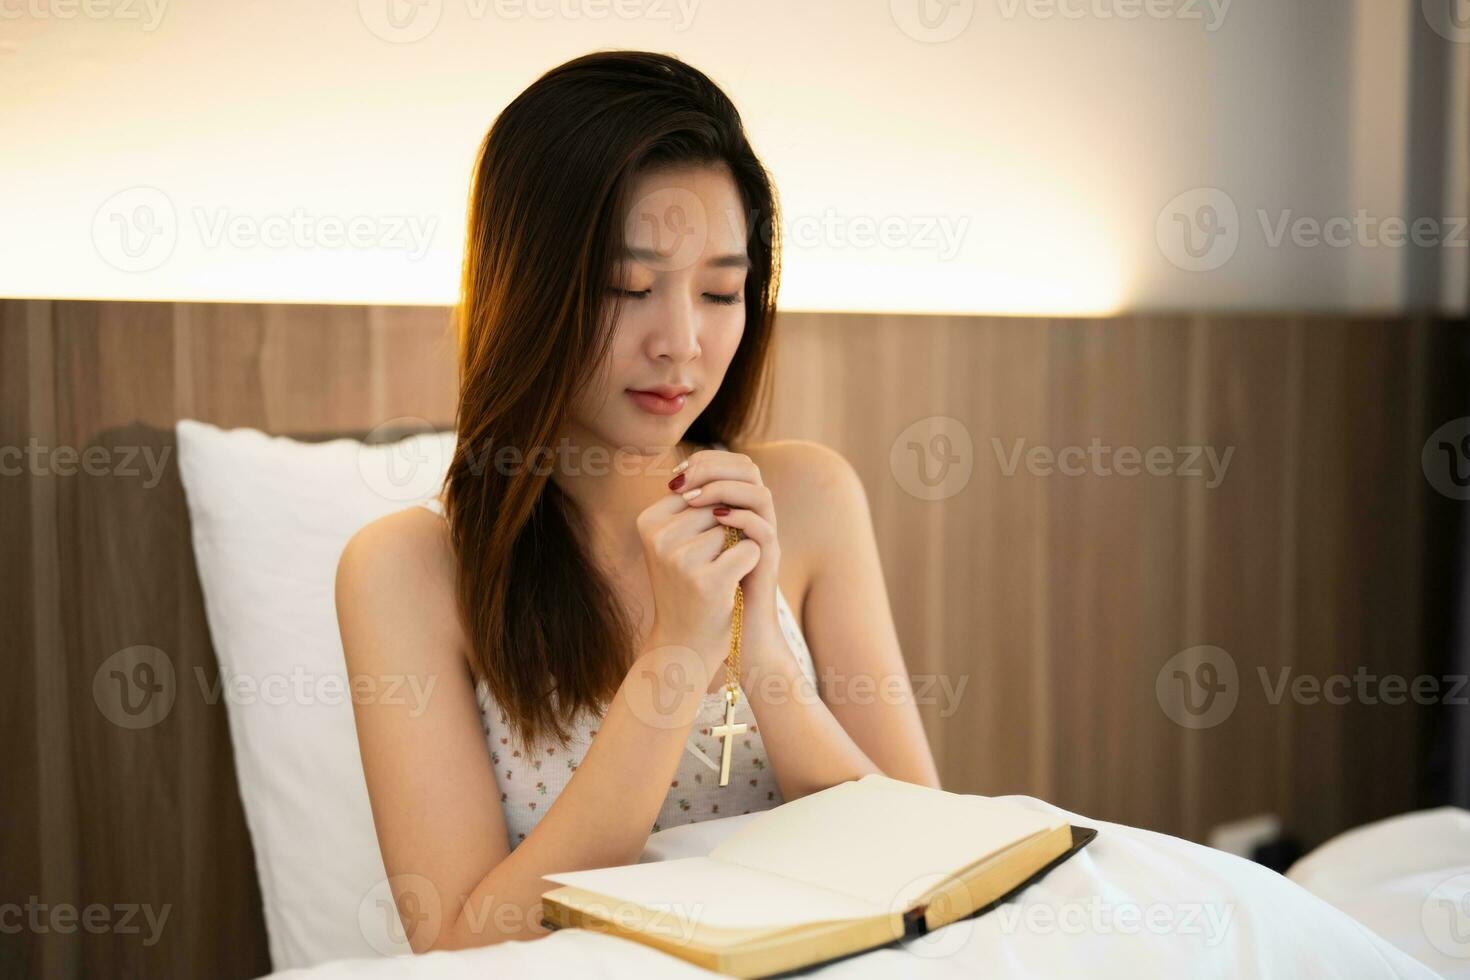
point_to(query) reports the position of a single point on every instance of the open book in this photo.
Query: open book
(852, 867)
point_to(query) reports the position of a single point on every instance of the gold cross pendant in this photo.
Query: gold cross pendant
(728, 731)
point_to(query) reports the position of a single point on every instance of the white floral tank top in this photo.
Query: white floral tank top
(528, 787)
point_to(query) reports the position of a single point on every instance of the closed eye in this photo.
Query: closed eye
(723, 299)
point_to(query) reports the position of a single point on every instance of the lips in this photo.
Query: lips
(655, 402)
(665, 391)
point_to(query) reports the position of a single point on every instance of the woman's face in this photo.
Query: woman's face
(682, 282)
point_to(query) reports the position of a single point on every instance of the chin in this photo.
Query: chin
(647, 437)
(643, 447)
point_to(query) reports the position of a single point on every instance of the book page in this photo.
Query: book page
(714, 893)
(879, 839)
(691, 839)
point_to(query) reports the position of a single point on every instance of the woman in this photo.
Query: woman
(573, 606)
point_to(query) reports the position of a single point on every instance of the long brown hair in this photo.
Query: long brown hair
(551, 180)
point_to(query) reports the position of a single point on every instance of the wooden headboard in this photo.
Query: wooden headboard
(99, 558)
(1055, 598)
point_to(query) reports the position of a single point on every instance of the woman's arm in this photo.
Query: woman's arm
(866, 720)
(846, 617)
(435, 801)
(808, 747)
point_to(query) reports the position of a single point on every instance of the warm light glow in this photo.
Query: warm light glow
(301, 152)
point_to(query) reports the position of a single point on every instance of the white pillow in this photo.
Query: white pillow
(271, 516)
(1406, 877)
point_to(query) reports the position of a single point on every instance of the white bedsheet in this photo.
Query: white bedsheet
(1132, 904)
(1407, 878)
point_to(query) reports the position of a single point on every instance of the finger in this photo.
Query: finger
(739, 560)
(714, 464)
(753, 525)
(692, 520)
(665, 508)
(735, 493)
(706, 545)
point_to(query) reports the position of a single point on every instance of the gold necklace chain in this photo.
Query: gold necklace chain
(732, 661)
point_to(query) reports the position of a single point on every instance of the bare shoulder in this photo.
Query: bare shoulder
(800, 462)
(817, 492)
(395, 578)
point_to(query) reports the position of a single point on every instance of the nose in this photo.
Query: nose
(676, 334)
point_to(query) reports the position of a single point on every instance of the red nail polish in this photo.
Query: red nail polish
(721, 511)
(676, 482)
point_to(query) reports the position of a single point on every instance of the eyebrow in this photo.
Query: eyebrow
(735, 260)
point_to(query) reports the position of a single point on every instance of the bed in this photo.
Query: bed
(1131, 904)
(1134, 903)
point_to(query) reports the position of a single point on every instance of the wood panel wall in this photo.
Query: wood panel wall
(1055, 599)
(1063, 596)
